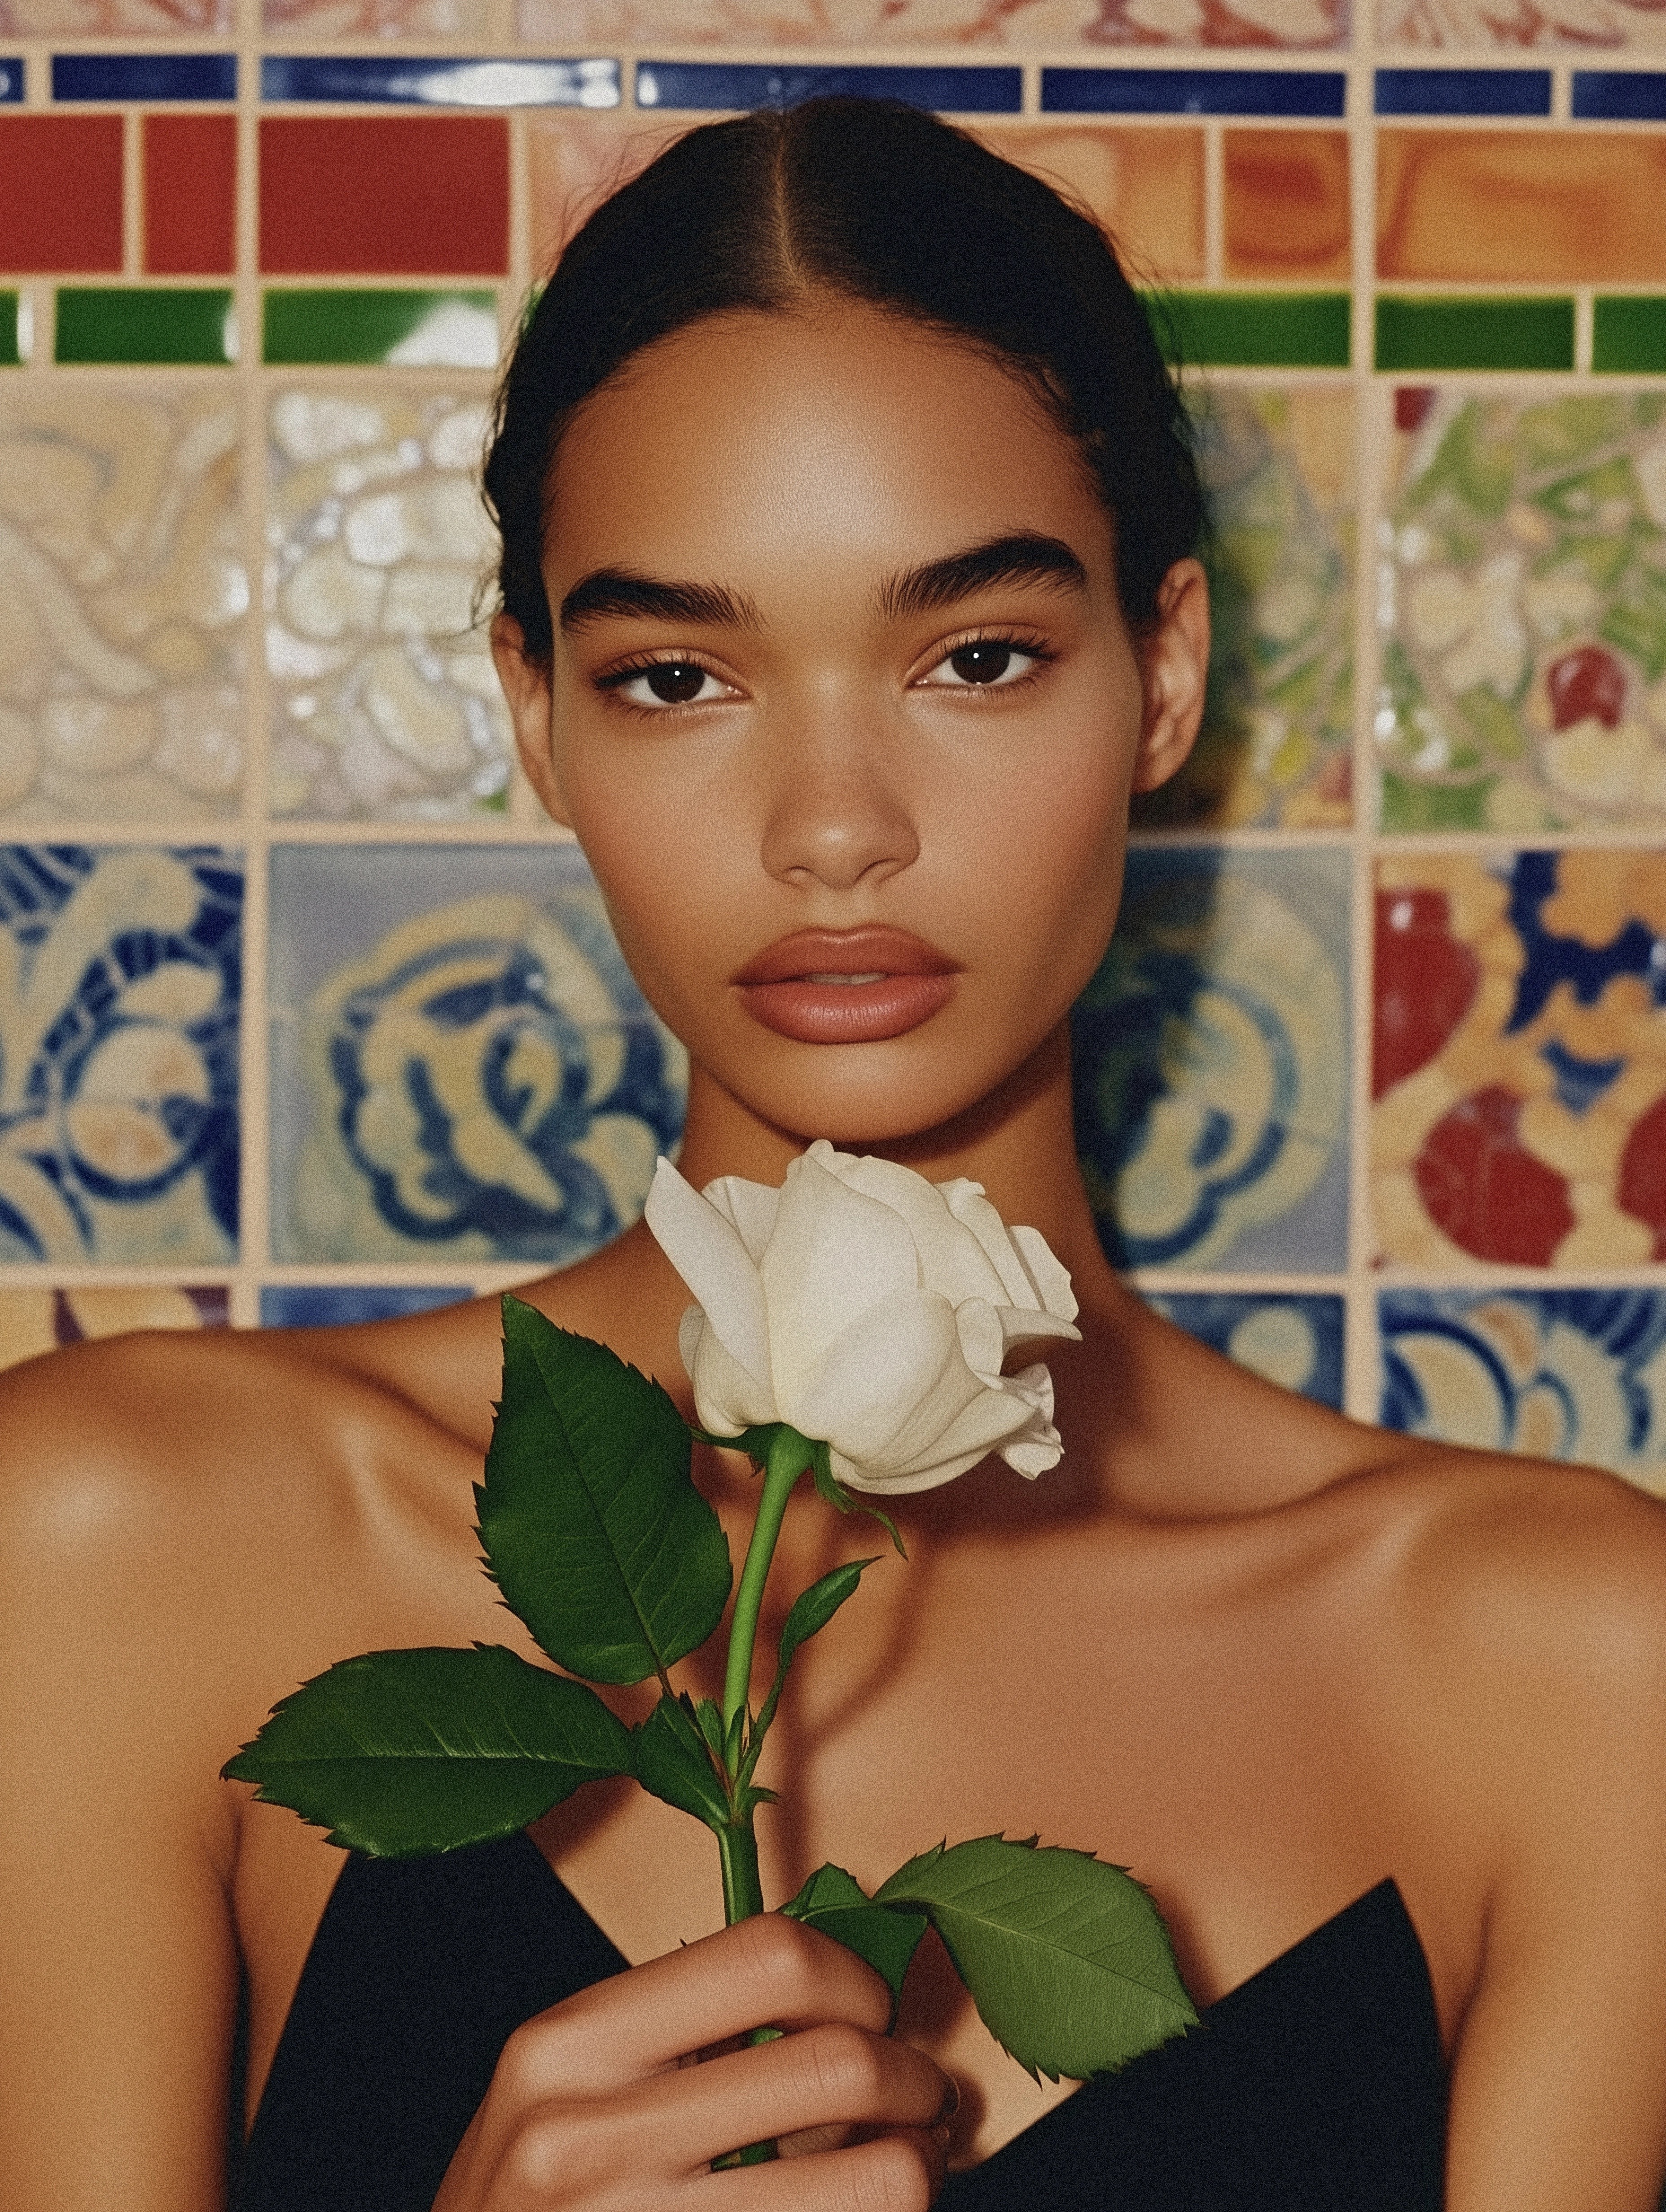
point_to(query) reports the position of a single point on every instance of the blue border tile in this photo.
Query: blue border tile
(11, 79)
(145, 76)
(450, 80)
(331, 1305)
(1462, 91)
(1194, 91)
(1294, 1339)
(730, 85)
(1620, 95)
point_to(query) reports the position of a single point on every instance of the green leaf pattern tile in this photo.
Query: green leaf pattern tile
(1523, 599)
(385, 703)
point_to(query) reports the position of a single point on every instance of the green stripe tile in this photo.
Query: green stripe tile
(411, 329)
(9, 356)
(1629, 335)
(1472, 333)
(123, 323)
(1253, 330)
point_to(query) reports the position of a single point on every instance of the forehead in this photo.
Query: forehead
(838, 436)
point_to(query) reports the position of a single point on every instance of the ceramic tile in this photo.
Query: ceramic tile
(462, 1066)
(728, 85)
(1193, 91)
(1031, 23)
(1292, 1339)
(1144, 185)
(190, 164)
(1567, 1374)
(61, 194)
(311, 1305)
(9, 356)
(1520, 1058)
(1618, 96)
(1472, 332)
(1462, 91)
(377, 19)
(128, 323)
(1628, 336)
(1286, 205)
(1517, 23)
(1521, 590)
(403, 81)
(120, 990)
(1276, 746)
(115, 19)
(13, 74)
(393, 196)
(122, 593)
(1255, 330)
(385, 703)
(37, 1321)
(145, 76)
(302, 326)
(1450, 202)
(1212, 1062)
(574, 163)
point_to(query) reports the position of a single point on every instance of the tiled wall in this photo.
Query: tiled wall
(304, 1010)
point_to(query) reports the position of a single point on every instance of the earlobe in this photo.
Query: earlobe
(526, 689)
(1175, 668)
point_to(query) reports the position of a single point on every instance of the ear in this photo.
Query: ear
(527, 687)
(1174, 660)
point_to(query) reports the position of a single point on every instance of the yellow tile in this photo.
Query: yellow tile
(1143, 184)
(1559, 207)
(1286, 204)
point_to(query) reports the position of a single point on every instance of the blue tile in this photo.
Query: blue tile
(1294, 1339)
(729, 85)
(1462, 91)
(402, 81)
(1620, 95)
(321, 1305)
(145, 76)
(11, 78)
(1194, 91)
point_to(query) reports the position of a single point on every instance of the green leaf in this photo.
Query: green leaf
(1066, 1957)
(592, 1525)
(400, 1754)
(834, 1494)
(813, 1608)
(885, 1936)
(672, 1762)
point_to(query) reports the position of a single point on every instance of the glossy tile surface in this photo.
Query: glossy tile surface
(1628, 336)
(721, 85)
(1522, 596)
(36, 1320)
(122, 594)
(1286, 205)
(14, 76)
(1145, 186)
(145, 76)
(1520, 1058)
(1512, 24)
(125, 323)
(384, 195)
(1450, 206)
(1194, 91)
(1042, 23)
(1291, 1339)
(1461, 92)
(120, 993)
(1276, 742)
(450, 81)
(1255, 330)
(190, 165)
(1212, 1067)
(9, 333)
(304, 325)
(60, 192)
(1627, 96)
(461, 1063)
(385, 703)
(1473, 332)
(1567, 1375)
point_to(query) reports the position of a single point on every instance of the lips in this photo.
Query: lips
(846, 987)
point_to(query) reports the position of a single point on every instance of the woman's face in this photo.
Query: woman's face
(843, 710)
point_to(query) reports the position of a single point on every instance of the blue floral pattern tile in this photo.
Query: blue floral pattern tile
(1212, 1062)
(462, 1062)
(1294, 1339)
(329, 1305)
(1567, 1374)
(120, 984)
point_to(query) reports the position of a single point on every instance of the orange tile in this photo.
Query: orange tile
(1564, 206)
(574, 161)
(1144, 185)
(1286, 204)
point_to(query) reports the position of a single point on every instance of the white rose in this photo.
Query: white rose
(870, 1309)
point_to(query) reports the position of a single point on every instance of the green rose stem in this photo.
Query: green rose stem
(790, 1457)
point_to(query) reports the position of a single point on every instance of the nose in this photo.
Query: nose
(836, 816)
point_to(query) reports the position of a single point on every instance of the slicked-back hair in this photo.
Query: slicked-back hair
(869, 201)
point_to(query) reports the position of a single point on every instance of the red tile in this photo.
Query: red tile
(385, 195)
(190, 195)
(60, 194)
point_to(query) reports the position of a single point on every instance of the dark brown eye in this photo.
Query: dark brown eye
(982, 664)
(674, 682)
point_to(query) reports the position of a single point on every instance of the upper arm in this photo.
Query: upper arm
(118, 1962)
(1559, 2083)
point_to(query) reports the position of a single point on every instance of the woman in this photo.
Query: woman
(847, 595)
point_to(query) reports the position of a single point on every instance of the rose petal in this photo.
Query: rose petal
(708, 1253)
(725, 1396)
(897, 1367)
(966, 1201)
(834, 1255)
(951, 1258)
(1024, 1325)
(1050, 1275)
(750, 1205)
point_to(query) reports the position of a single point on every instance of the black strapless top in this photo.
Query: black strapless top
(1317, 2085)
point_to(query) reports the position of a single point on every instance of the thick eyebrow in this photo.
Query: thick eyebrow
(1022, 559)
(622, 591)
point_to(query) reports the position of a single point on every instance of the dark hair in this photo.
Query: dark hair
(878, 203)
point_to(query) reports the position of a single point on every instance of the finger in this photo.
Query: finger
(901, 2172)
(767, 1971)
